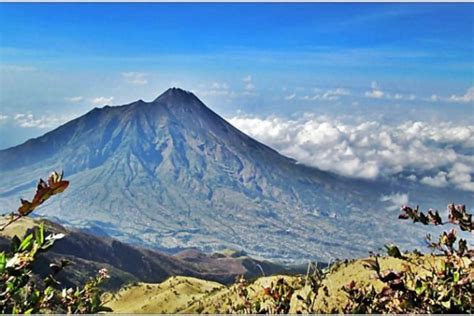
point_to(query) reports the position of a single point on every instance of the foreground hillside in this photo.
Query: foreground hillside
(190, 295)
(396, 283)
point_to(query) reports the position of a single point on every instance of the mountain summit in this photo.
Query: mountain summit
(177, 95)
(172, 174)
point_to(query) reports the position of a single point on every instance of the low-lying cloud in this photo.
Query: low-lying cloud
(375, 92)
(468, 97)
(437, 155)
(329, 95)
(28, 120)
(395, 200)
(74, 99)
(102, 100)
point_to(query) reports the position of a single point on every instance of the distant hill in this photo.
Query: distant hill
(172, 174)
(128, 264)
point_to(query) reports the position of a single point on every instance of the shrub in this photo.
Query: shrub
(440, 284)
(23, 292)
(446, 286)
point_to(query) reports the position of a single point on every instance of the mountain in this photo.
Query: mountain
(128, 264)
(172, 174)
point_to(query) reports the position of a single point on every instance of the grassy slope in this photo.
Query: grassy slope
(197, 296)
(355, 271)
(192, 295)
(19, 228)
(170, 296)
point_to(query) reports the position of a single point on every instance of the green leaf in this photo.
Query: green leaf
(446, 304)
(39, 234)
(3, 262)
(456, 277)
(26, 243)
(393, 251)
(420, 287)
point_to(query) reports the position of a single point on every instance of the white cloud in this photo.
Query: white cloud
(398, 96)
(135, 78)
(310, 97)
(439, 154)
(28, 120)
(374, 94)
(335, 94)
(396, 200)
(74, 99)
(329, 95)
(460, 175)
(290, 97)
(434, 98)
(249, 87)
(102, 100)
(377, 93)
(219, 86)
(214, 90)
(3, 118)
(439, 180)
(468, 97)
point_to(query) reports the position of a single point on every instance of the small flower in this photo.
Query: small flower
(104, 273)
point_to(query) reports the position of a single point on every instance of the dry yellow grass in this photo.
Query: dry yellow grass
(18, 228)
(355, 271)
(190, 295)
(224, 300)
(170, 296)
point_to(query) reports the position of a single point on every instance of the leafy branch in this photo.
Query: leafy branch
(23, 293)
(447, 287)
(44, 190)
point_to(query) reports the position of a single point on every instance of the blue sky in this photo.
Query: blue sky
(375, 61)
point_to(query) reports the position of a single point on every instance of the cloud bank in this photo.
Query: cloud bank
(438, 155)
(468, 97)
(102, 100)
(28, 120)
(395, 200)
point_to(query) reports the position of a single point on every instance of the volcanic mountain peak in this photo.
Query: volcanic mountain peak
(177, 96)
(172, 173)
